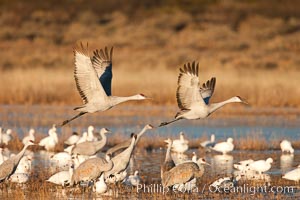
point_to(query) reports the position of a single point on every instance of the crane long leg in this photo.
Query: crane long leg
(76, 116)
(166, 123)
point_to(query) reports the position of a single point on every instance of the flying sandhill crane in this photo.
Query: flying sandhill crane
(125, 144)
(183, 173)
(91, 148)
(93, 77)
(8, 167)
(169, 163)
(91, 169)
(192, 99)
(121, 160)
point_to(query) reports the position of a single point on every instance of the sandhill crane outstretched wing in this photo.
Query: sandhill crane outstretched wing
(86, 76)
(189, 90)
(208, 89)
(102, 62)
(192, 99)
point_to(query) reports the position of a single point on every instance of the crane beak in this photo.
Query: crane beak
(243, 100)
(149, 98)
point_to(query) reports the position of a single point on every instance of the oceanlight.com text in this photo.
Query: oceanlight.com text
(244, 188)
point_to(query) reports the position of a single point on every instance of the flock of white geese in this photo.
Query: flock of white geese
(83, 162)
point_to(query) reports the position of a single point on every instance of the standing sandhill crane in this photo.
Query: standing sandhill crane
(8, 167)
(30, 136)
(169, 163)
(125, 144)
(91, 169)
(91, 148)
(121, 160)
(183, 173)
(93, 77)
(192, 99)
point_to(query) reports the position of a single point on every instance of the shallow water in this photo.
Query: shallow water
(270, 123)
(283, 125)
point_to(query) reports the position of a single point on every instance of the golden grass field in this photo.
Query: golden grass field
(252, 52)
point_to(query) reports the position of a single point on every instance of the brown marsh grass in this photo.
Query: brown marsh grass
(252, 52)
(46, 86)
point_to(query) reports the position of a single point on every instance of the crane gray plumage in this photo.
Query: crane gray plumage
(169, 163)
(120, 146)
(91, 169)
(93, 76)
(90, 148)
(181, 173)
(121, 160)
(193, 99)
(126, 143)
(8, 167)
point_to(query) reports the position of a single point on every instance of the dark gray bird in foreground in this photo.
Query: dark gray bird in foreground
(91, 169)
(91, 148)
(183, 173)
(169, 163)
(8, 167)
(121, 160)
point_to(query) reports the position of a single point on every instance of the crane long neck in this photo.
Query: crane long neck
(215, 106)
(140, 134)
(21, 153)
(103, 140)
(117, 100)
(132, 144)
